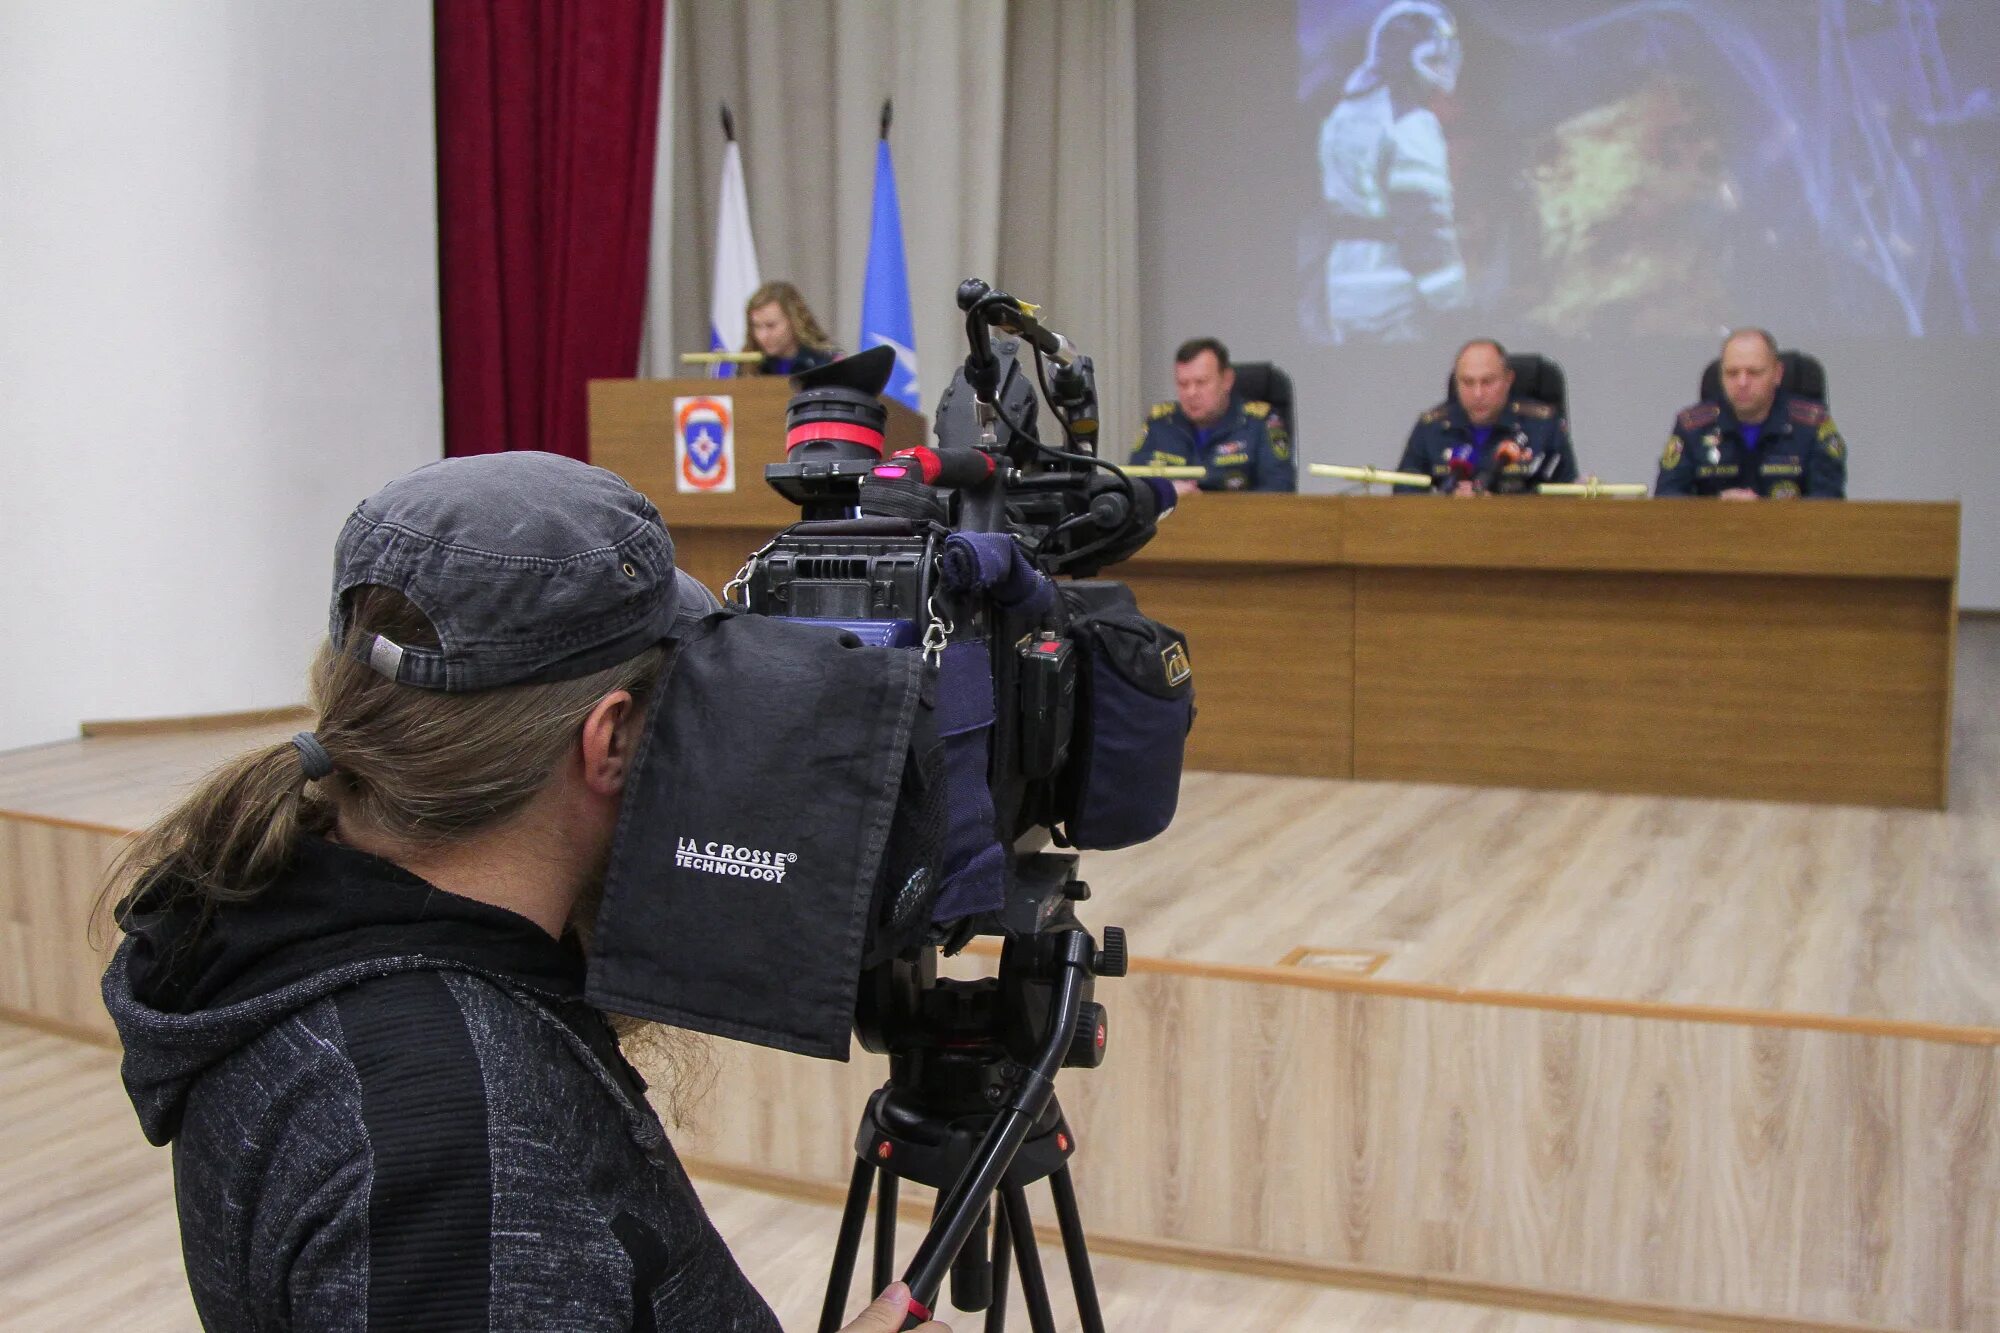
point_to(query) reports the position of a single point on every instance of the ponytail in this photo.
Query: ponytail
(418, 766)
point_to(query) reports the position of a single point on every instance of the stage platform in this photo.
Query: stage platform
(1733, 1064)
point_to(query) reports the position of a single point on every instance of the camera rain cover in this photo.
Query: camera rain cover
(753, 832)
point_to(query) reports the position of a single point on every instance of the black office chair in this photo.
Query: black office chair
(1260, 381)
(1805, 377)
(1536, 378)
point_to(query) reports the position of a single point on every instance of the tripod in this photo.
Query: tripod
(896, 1142)
(970, 1110)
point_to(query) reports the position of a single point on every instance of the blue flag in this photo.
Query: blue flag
(885, 294)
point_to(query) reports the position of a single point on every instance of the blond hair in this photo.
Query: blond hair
(786, 297)
(420, 767)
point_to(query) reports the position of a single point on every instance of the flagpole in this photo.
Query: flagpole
(886, 316)
(736, 276)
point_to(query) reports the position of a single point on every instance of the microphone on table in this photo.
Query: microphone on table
(1460, 467)
(1506, 452)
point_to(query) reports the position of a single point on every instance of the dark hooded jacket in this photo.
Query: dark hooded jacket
(390, 1108)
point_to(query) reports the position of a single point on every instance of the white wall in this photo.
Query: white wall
(218, 330)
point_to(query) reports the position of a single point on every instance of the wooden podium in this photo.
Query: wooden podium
(632, 432)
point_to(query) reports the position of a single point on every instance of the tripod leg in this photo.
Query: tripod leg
(840, 1278)
(996, 1311)
(971, 1271)
(1075, 1252)
(1034, 1290)
(885, 1231)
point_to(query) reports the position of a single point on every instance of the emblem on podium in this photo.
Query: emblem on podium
(704, 444)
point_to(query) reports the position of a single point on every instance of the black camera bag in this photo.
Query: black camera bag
(1135, 707)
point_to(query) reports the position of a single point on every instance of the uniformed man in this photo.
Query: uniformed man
(1760, 444)
(1243, 445)
(1487, 441)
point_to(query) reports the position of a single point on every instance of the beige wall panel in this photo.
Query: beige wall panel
(49, 876)
(1784, 1173)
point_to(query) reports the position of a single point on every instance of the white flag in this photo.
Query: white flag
(735, 259)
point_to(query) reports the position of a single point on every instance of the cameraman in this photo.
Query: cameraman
(351, 986)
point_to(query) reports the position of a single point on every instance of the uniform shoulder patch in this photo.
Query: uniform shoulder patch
(1435, 415)
(1806, 412)
(1532, 410)
(1253, 408)
(1161, 410)
(1670, 457)
(1694, 418)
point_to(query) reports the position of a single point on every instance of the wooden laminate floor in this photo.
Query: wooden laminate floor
(1890, 914)
(88, 1237)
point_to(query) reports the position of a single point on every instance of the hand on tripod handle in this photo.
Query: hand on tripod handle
(889, 1313)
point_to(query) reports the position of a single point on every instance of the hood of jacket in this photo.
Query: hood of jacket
(190, 986)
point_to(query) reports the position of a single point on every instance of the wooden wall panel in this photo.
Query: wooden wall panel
(1273, 664)
(1806, 1175)
(1775, 688)
(49, 876)
(1874, 538)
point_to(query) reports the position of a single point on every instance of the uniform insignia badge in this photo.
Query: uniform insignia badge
(1785, 490)
(1255, 409)
(1836, 448)
(1175, 659)
(1670, 457)
(1162, 410)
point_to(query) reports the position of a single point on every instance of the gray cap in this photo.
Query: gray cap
(531, 566)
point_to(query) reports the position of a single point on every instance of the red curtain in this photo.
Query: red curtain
(547, 113)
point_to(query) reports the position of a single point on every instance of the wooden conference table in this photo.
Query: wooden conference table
(1796, 651)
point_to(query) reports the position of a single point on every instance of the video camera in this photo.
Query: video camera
(864, 760)
(952, 549)
(1062, 715)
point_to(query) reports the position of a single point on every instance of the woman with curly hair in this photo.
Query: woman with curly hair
(782, 327)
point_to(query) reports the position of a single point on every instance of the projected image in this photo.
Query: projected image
(1650, 167)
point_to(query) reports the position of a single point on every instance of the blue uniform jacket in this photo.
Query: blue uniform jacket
(1799, 452)
(1534, 428)
(1247, 450)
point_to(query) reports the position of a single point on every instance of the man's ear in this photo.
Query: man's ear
(610, 739)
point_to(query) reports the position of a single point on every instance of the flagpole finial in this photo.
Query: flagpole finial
(885, 117)
(728, 124)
